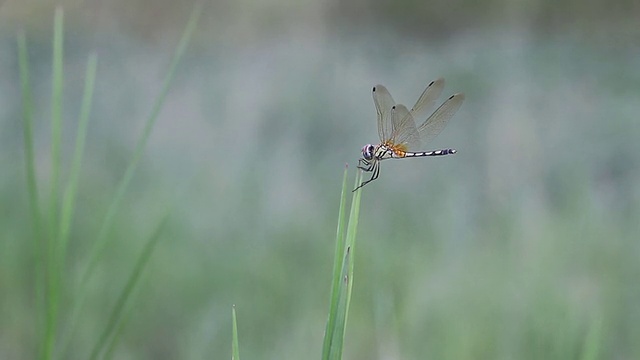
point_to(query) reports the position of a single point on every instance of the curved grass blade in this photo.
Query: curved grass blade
(69, 196)
(341, 310)
(116, 314)
(235, 349)
(100, 244)
(337, 266)
(343, 278)
(39, 244)
(56, 138)
(352, 231)
(591, 349)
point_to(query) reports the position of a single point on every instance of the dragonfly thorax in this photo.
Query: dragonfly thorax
(368, 151)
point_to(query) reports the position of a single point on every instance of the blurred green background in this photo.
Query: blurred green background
(524, 245)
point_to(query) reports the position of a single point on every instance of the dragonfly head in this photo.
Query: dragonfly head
(368, 151)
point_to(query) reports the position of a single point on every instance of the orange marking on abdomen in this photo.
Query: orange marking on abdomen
(400, 150)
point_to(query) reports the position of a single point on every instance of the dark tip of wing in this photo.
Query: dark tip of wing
(431, 83)
(374, 89)
(460, 95)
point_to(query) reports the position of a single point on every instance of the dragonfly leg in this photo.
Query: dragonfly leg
(373, 166)
(367, 165)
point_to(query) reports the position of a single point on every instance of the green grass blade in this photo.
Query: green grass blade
(235, 349)
(593, 341)
(27, 115)
(108, 353)
(102, 239)
(352, 230)
(69, 197)
(56, 138)
(341, 295)
(337, 266)
(117, 312)
(337, 339)
(32, 189)
(56, 116)
(68, 200)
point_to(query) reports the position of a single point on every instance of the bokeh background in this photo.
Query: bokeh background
(524, 245)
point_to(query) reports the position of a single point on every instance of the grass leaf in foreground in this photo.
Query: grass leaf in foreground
(53, 283)
(337, 266)
(68, 199)
(117, 312)
(100, 244)
(593, 340)
(235, 349)
(342, 275)
(32, 190)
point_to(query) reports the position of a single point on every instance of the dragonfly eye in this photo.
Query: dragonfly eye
(367, 151)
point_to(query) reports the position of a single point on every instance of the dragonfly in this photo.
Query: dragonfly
(400, 137)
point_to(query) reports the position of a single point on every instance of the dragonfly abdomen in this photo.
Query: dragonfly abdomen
(441, 152)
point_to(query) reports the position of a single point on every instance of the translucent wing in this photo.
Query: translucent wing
(404, 131)
(427, 100)
(439, 119)
(384, 102)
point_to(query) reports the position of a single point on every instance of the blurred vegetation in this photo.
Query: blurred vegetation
(523, 245)
(249, 21)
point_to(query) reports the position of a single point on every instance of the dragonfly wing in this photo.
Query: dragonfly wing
(384, 102)
(439, 119)
(427, 100)
(404, 128)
